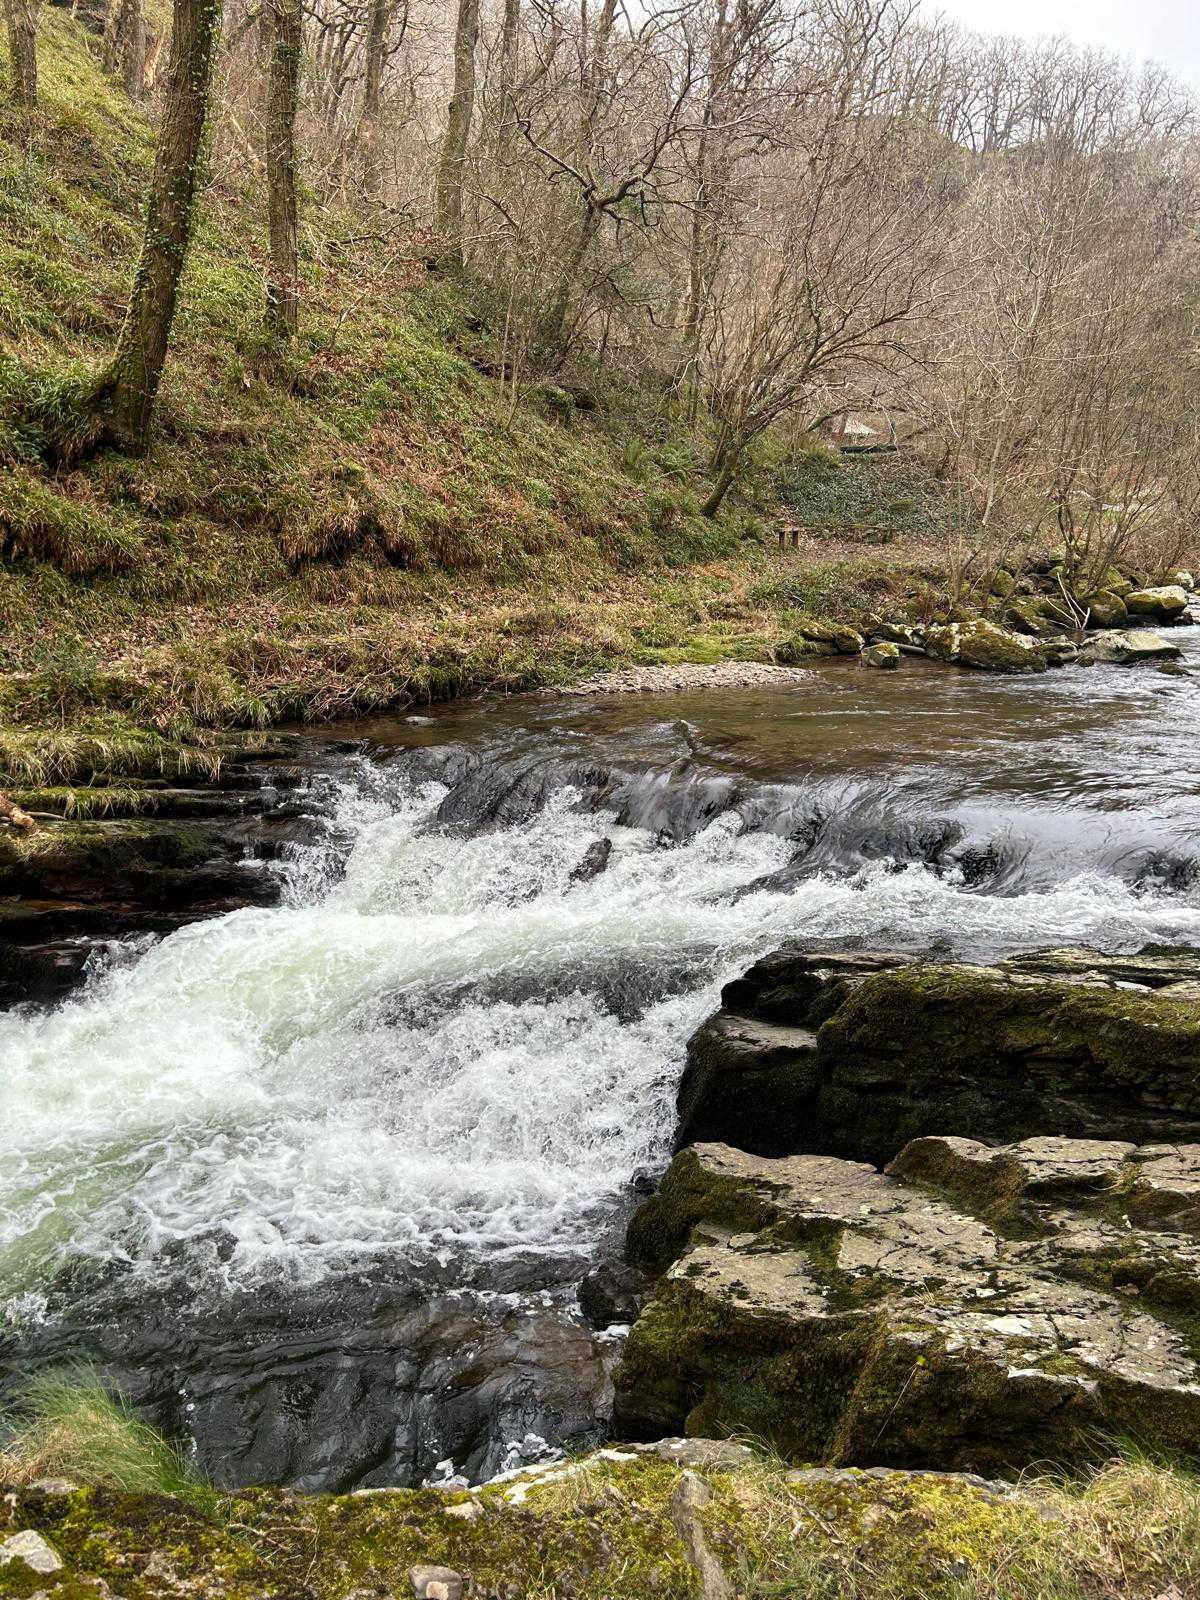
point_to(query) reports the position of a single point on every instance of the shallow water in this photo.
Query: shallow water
(318, 1181)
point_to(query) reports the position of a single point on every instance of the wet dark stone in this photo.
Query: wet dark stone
(362, 1382)
(612, 1293)
(595, 860)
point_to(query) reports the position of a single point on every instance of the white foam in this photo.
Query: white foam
(248, 1074)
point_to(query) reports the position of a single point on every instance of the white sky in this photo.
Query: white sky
(1167, 31)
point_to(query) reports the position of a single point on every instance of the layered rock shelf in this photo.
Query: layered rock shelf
(854, 1055)
(963, 1228)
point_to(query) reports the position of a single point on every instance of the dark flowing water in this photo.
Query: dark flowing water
(317, 1183)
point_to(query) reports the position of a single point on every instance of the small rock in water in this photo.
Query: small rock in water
(593, 862)
(436, 1583)
(32, 1549)
(884, 655)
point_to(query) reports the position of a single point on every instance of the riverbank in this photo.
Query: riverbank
(682, 1520)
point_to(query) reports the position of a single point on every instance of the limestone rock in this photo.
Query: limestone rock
(884, 655)
(991, 648)
(29, 1547)
(855, 1316)
(942, 641)
(689, 1500)
(1127, 648)
(894, 633)
(721, 1453)
(736, 1067)
(1164, 604)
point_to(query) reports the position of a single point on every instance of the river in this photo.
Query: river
(317, 1183)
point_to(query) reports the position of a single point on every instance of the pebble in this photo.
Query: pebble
(32, 1549)
(436, 1583)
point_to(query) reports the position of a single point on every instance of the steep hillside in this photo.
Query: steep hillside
(371, 517)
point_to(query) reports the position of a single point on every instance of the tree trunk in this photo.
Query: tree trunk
(726, 465)
(378, 18)
(505, 109)
(458, 129)
(125, 44)
(21, 16)
(283, 93)
(554, 327)
(126, 393)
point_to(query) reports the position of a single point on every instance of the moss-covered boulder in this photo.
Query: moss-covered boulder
(1106, 610)
(1165, 604)
(1036, 615)
(884, 655)
(833, 638)
(990, 648)
(972, 1307)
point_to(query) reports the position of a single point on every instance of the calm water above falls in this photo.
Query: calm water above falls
(318, 1182)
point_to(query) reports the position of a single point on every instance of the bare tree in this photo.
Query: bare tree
(458, 130)
(824, 293)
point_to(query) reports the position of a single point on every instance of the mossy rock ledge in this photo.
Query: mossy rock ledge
(855, 1054)
(1020, 1283)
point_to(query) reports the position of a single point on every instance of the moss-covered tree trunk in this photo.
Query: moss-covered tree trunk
(126, 393)
(21, 17)
(283, 93)
(458, 129)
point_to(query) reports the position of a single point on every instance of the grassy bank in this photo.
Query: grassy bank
(121, 1506)
(370, 518)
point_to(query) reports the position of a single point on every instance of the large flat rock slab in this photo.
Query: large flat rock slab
(977, 1308)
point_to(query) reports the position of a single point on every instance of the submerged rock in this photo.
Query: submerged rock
(593, 862)
(970, 1308)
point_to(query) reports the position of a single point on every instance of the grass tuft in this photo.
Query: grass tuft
(66, 1424)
